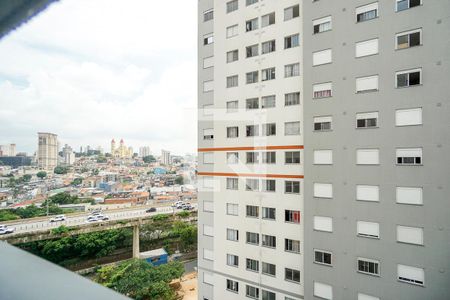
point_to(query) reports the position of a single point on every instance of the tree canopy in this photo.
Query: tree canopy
(149, 159)
(41, 174)
(61, 170)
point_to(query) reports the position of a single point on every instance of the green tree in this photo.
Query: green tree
(41, 174)
(95, 172)
(179, 180)
(61, 170)
(7, 215)
(26, 178)
(149, 159)
(77, 181)
(101, 159)
(62, 198)
(187, 234)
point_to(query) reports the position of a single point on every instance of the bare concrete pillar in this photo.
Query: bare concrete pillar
(136, 250)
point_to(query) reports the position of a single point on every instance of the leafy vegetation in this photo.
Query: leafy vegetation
(179, 180)
(149, 159)
(77, 181)
(61, 170)
(66, 198)
(31, 211)
(41, 174)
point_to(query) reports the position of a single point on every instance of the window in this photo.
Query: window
(322, 257)
(208, 182)
(252, 265)
(323, 190)
(208, 15)
(266, 295)
(292, 216)
(322, 25)
(252, 238)
(251, 77)
(323, 157)
(408, 39)
(408, 117)
(409, 156)
(410, 235)
(269, 157)
(208, 39)
(208, 86)
(208, 110)
(322, 290)
(368, 193)
(232, 183)
(323, 223)
(268, 74)
(208, 206)
(232, 81)
(252, 103)
(292, 157)
(291, 41)
(368, 266)
(251, 184)
(405, 4)
(411, 274)
(269, 241)
(208, 254)
(208, 134)
(268, 213)
(252, 157)
(268, 47)
(208, 278)
(252, 211)
(232, 56)
(232, 286)
(251, 51)
(291, 12)
(250, 2)
(322, 90)
(292, 70)
(232, 132)
(232, 6)
(251, 130)
(368, 229)
(366, 297)
(232, 31)
(232, 158)
(232, 234)
(232, 106)
(292, 128)
(251, 24)
(367, 84)
(322, 123)
(252, 292)
(292, 187)
(208, 157)
(322, 57)
(366, 48)
(367, 12)
(292, 99)
(208, 62)
(269, 129)
(367, 120)
(292, 245)
(208, 230)
(268, 19)
(367, 156)
(268, 101)
(268, 269)
(232, 209)
(232, 260)
(409, 195)
(291, 275)
(409, 78)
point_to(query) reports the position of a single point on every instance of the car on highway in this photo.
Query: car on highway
(58, 218)
(178, 203)
(151, 209)
(6, 230)
(97, 218)
(187, 206)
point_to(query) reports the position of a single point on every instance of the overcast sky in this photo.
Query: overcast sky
(93, 70)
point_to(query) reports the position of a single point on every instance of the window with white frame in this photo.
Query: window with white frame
(322, 257)
(268, 74)
(208, 157)
(252, 157)
(291, 275)
(292, 245)
(268, 19)
(291, 41)
(322, 290)
(252, 238)
(232, 81)
(232, 234)
(367, 12)
(208, 206)
(269, 213)
(251, 77)
(252, 211)
(232, 158)
(322, 123)
(268, 241)
(269, 129)
(268, 269)
(251, 25)
(208, 15)
(367, 84)
(322, 90)
(366, 297)
(208, 86)
(323, 190)
(232, 209)
(232, 132)
(251, 184)
(292, 128)
(251, 130)
(322, 223)
(208, 110)
(208, 254)
(322, 57)
(323, 157)
(252, 103)
(292, 70)
(208, 182)
(292, 187)
(367, 156)
(232, 183)
(367, 120)
(368, 229)
(232, 260)
(267, 295)
(268, 157)
(208, 39)
(208, 62)
(322, 25)
(232, 56)
(410, 274)
(366, 48)
(409, 195)
(410, 235)
(251, 292)
(250, 2)
(291, 12)
(232, 31)
(208, 133)
(251, 51)
(292, 157)
(408, 117)
(232, 106)
(232, 6)
(268, 101)
(208, 278)
(408, 39)
(368, 266)
(292, 99)
(408, 78)
(267, 47)
(232, 286)
(406, 4)
(409, 156)
(368, 193)
(292, 216)
(208, 230)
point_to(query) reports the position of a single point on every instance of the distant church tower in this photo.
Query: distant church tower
(113, 147)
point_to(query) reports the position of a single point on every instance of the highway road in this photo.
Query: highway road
(36, 224)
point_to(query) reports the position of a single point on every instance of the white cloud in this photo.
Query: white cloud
(92, 70)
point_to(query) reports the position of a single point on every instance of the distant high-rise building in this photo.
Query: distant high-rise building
(122, 151)
(144, 151)
(8, 150)
(47, 156)
(165, 157)
(68, 155)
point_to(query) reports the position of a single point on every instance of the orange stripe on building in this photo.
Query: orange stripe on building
(251, 148)
(251, 175)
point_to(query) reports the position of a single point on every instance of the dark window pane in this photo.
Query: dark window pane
(317, 126)
(361, 123)
(327, 258)
(414, 78)
(413, 3)
(399, 160)
(371, 122)
(402, 80)
(414, 39)
(316, 28)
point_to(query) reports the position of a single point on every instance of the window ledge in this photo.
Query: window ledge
(367, 273)
(322, 32)
(409, 86)
(364, 21)
(323, 264)
(410, 47)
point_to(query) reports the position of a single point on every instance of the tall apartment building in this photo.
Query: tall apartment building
(165, 157)
(144, 151)
(68, 155)
(47, 155)
(371, 113)
(8, 150)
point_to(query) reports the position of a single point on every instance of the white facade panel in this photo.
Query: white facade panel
(208, 206)
(322, 57)
(208, 254)
(366, 297)
(208, 86)
(366, 8)
(208, 230)
(409, 195)
(366, 84)
(411, 235)
(366, 48)
(208, 278)
(409, 152)
(208, 62)
(208, 157)
(323, 223)
(367, 156)
(368, 193)
(323, 157)
(371, 229)
(407, 117)
(323, 290)
(323, 190)
(322, 86)
(410, 273)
